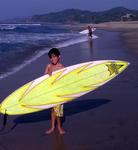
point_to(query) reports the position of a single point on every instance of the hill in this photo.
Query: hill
(83, 16)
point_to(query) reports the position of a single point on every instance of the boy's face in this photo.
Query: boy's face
(54, 59)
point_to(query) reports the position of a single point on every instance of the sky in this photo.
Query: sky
(23, 8)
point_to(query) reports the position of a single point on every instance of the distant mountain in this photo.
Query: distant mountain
(68, 15)
(83, 16)
(116, 14)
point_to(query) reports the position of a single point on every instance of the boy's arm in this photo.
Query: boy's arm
(48, 70)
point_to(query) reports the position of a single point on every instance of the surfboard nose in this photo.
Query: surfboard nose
(117, 66)
(123, 64)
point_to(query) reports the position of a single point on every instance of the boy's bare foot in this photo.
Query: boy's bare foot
(61, 131)
(49, 131)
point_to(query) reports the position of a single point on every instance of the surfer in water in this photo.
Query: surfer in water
(89, 31)
(57, 111)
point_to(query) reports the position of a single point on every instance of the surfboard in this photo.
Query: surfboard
(61, 87)
(94, 36)
(86, 31)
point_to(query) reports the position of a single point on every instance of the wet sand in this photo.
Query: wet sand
(128, 29)
(104, 119)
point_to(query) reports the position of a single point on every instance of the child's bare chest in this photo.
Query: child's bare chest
(56, 67)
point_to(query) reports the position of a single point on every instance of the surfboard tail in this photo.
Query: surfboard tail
(5, 115)
(1, 109)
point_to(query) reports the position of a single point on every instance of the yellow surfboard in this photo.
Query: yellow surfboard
(63, 86)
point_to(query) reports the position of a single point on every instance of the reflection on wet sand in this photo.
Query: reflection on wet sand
(90, 41)
(91, 47)
(58, 141)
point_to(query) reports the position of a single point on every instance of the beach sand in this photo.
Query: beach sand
(104, 119)
(129, 30)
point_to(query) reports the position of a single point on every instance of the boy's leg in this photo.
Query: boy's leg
(60, 129)
(59, 113)
(53, 117)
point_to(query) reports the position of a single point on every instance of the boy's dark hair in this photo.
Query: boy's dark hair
(54, 51)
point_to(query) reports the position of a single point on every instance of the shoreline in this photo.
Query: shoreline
(128, 30)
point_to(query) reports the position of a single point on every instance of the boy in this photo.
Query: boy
(57, 111)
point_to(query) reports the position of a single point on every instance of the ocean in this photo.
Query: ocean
(20, 44)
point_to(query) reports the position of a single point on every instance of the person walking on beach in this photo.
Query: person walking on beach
(57, 111)
(89, 31)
